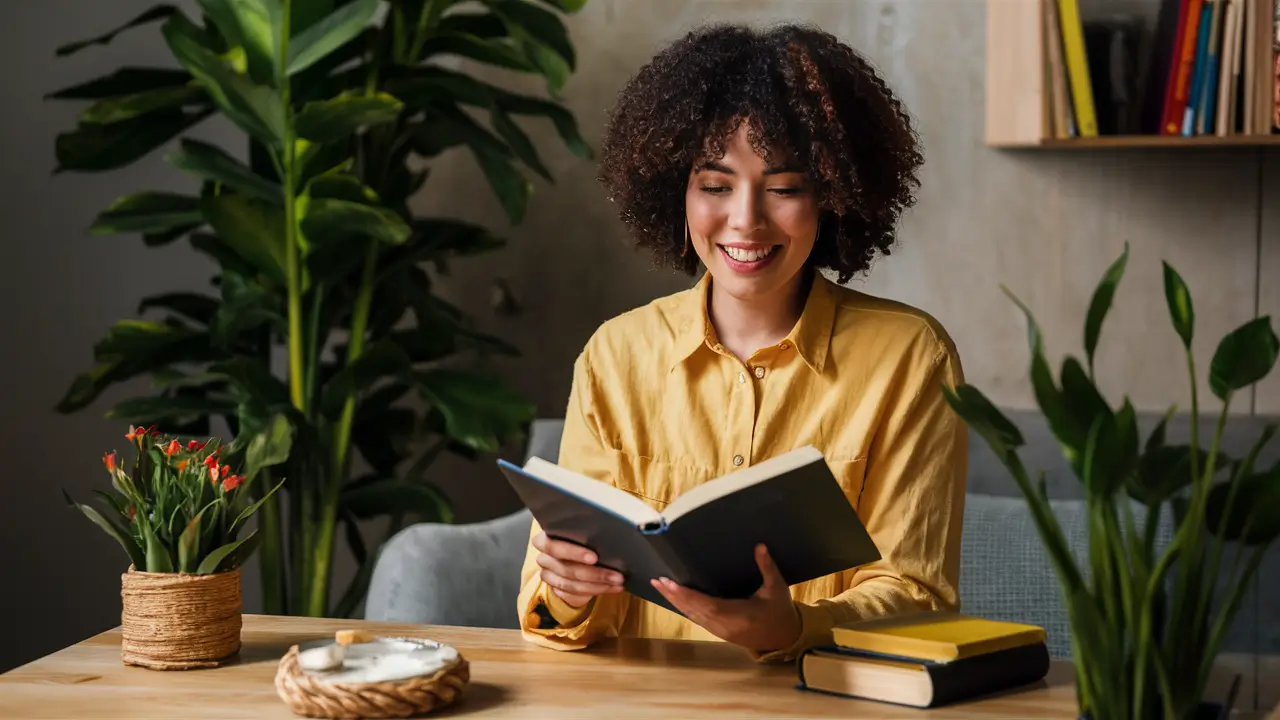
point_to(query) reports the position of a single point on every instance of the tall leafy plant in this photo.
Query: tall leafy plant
(1147, 622)
(320, 261)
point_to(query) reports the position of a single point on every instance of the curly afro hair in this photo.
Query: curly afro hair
(803, 92)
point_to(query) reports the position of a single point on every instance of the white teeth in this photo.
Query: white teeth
(748, 255)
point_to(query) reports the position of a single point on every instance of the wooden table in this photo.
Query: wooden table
(622, 679)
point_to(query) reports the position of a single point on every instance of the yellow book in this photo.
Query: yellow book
(935, 637)
(1077, 67)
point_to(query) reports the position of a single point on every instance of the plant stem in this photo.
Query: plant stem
(322, 545)
(271, 563)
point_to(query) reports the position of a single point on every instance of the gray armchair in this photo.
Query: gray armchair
(469, 574)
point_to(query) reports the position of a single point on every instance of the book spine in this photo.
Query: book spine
(1185, 64)
(1077, 67)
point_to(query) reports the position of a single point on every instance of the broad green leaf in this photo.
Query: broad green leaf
(1255, 511)
(308, 13)
(492, 52)
(391, 496)
(269, 447)
(1053, 405)
(429, 86)
(1245, 356)
(139, 337)
(1163, 472)
(380, 360)
(98, 148)
(1101, 304)
(518, 141)
(982, 415)
(257, 109)
(158, 12)
(253, 229)
(1178, 298)
(246, 308)
(553, 67)
(330, 220)
(157, 559)
(444, 128)
(115, 529)
(226, 557)
(341, 186)
(535, 26)
(253, 378)
(130, 348)
(215, 164)
(249, 511)
(157, 409)
(248, 24)
(483, 25)
(200, 308)
(331, 120)
(1081, 399)
(438, 237)
(189, 544)
(125, 81)
(568, 6)
(329, 34)
(480, 411)
(1110, 452)
(147, 212)
(164, 238)
(511, 187)
(127, 107)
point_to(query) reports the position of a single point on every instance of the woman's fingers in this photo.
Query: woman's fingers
(564, 550)
(578, 572)
(577, 587)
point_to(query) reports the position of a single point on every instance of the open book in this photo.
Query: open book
(705, 538)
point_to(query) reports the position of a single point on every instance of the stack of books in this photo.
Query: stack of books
(925, 660)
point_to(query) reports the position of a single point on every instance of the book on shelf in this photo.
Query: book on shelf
(705, 538)
(1212, 70)
(925, 659)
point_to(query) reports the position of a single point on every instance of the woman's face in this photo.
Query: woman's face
(752, 221)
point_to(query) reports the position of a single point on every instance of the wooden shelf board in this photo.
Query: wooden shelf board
(1148, 141)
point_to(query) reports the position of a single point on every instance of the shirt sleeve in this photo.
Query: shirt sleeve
(546, 619)
(912, 503)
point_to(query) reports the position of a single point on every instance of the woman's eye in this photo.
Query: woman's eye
(714, 189)
(785, 190)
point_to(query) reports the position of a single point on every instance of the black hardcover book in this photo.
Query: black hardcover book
(705, 539)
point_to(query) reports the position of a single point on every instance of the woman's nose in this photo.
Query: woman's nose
(746, 213)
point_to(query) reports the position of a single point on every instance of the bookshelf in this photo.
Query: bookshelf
(1020, 97)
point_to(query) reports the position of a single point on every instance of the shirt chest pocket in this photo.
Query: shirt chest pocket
(656, 482)
(852, 476)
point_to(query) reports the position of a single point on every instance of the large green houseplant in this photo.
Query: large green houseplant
(320, 261)
(1147, 622)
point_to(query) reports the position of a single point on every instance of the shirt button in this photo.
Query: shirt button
(783, 346)
(759, 372)
(737, 459)
(742, 377)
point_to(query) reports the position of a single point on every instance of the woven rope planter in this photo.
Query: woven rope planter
(176, 621)
(311, 697)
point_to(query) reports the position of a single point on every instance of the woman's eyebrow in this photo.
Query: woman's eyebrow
(713, 166)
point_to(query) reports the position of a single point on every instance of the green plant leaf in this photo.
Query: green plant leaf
(568, 6)
(472, 47)
(114, 529)
(1163, 472)
(246, 308)
(269, 447)
(1255, 511)
(156, 13)
(329, 34)
(189, 544)
(98, 148)
(1181, 311)
(229, 556)
(480, 411)
(1110, 452)
(392, 496)
(982, 415)
(119, 109)
(253, 229)
(382, 359)
(255, 108)
(533, 25)
(147, 212)
(1071, 434)
(1101, 304)
(509, 185)
(215, 164)
(331, 120)
(435, 238)
(332, 221)
(157, 560)
(1081, 399)
(125, 81)
(200, 308)
(1245, 356)
(483, 25)
(519, 142)
(249, 511)
(248, 24)
(445, 128)
(155, 409)
(252, 378)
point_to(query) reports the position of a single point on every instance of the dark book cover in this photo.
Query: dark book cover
(706, 539)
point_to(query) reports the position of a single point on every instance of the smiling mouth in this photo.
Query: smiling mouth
(754, 255)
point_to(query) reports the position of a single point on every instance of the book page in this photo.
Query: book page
(738, 479)
(597, 492)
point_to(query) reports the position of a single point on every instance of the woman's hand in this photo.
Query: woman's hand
(570, 570)
(764, 622)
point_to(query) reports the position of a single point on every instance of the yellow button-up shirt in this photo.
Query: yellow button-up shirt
(658, 406)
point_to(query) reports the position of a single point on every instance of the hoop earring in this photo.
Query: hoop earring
(685, 250)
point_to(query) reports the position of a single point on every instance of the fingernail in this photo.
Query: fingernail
(616, 579)
(589, 559)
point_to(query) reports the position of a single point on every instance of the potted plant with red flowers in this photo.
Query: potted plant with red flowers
(180, 512)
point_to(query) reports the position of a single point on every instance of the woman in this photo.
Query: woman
(763, 157)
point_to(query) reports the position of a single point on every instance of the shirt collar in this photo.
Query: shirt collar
(811, 336)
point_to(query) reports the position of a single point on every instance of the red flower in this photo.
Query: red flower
(232, 482)
(134, 433)
(172, 448)
(214, 474)
(110, 461)
(211, 462)
(182, 464)
(194, 446)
